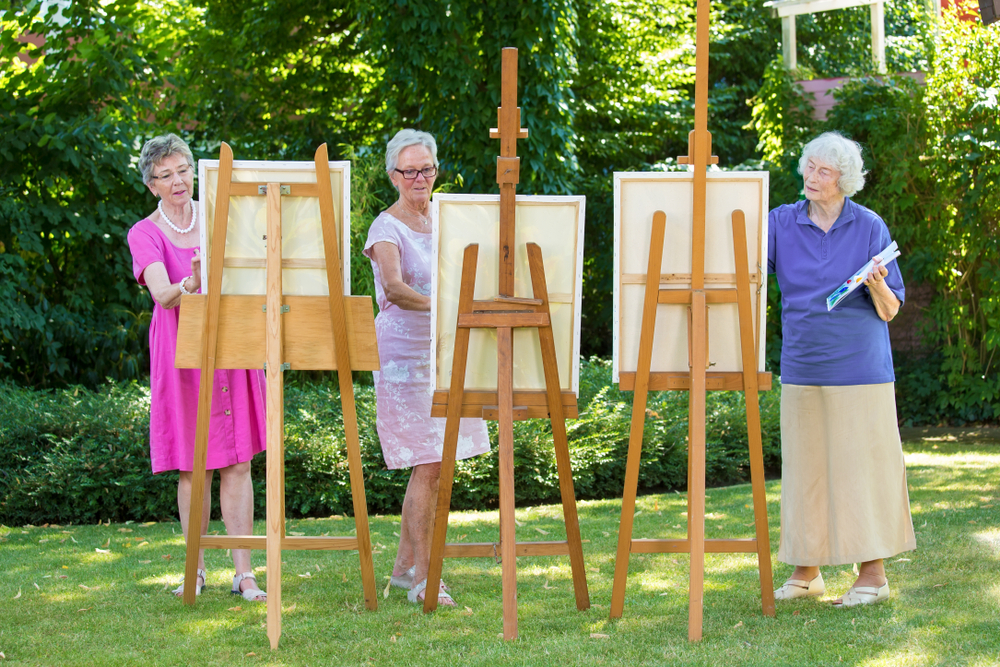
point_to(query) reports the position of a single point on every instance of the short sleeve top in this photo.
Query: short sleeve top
(850, 344)
(414, 258)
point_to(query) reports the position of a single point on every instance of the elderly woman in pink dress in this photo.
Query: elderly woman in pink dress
(165, 259)
(399, 246)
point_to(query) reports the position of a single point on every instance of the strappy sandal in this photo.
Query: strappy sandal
(859, 595)
(249, 594)
(179, 591)
(404, 580)
(443, 598)
(799, 588)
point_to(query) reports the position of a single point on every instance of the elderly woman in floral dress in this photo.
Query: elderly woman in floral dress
(399, 246)
(843, 482)
(165, 259)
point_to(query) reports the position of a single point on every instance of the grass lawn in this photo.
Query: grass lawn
(98, 594)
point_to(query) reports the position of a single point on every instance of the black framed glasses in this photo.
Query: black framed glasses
(411, 174)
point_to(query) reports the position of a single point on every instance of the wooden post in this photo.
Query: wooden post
(505, 313)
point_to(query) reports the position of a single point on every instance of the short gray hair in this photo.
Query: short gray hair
(403, 140)
(157, 149)
(841, 153)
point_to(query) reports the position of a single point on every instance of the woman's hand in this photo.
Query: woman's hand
(400, 294)
(886, 303)
(193, 283)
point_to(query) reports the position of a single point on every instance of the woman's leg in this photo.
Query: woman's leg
(184, 507)
(236, 499)
(404, 555)
(419, 507)
(805, 572)
(871, 573)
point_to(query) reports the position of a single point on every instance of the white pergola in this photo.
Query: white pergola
(787, 10)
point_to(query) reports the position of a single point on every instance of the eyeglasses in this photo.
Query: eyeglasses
(166, 178)
(411, 174)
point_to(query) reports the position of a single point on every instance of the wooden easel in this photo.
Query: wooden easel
(280, 333)
(697, 381)
(505, 313)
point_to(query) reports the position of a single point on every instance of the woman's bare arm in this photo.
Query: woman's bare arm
(386, 255)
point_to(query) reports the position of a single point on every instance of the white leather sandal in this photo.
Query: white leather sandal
(799, 588)
(404, 580)
(444, 599)
(251, 593)
(179, 591)
(859, 595)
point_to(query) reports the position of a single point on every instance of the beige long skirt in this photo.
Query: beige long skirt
(843, 484)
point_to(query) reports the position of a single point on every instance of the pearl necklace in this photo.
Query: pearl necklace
(194, 218)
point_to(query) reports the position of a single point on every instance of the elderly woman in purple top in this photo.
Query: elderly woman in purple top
(843, 483)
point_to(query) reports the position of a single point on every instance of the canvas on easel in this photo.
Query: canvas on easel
(556, 225)
(285, 307)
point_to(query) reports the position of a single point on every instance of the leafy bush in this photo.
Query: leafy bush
(75, 455)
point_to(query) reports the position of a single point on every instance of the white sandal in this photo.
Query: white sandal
(859, 595)
(443, 598)
(179, 591)
(404, 580)
(251, 593)
(799, 588)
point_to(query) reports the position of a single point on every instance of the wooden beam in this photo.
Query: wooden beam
(714, 381)
(878, 36)
(730, 546)
(788, 46)
(783, 8)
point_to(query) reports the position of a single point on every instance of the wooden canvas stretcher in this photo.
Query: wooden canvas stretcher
(248, 319)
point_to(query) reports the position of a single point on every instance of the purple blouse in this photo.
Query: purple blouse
(850, 344)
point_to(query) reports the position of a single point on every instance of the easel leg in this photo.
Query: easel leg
(275, 417)
(696, 454)
(559, 440)
(750, 390)
(455, 399)
(639, 398)
(358, 490)
(508, 539)
(193, 546)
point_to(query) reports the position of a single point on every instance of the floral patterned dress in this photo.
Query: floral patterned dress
(404, 387)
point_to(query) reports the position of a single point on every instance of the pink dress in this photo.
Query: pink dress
(236, 428)
(404, 387)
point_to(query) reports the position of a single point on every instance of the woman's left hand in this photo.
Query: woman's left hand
(886, 303)
(877, 274)
(194, 282)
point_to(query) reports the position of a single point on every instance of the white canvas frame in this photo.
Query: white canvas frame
(637, 195)
(459, 220)
(302, 233)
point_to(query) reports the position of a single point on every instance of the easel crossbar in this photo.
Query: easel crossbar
(297, 542)
(492, 549)
(730, 546)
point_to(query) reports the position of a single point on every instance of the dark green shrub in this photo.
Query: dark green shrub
(82, 456)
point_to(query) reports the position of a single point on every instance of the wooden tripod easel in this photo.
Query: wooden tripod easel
(697, 381)
(280, 333)
(505, 313)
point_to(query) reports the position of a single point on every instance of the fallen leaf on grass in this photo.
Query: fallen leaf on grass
(18, 594)
(796, 612)
(344, 578)
(518, 522)
(739, 625)
(260, 568)
(234, 608)
(145, 562)
(124, 530)
(37, 586)
(306, 576)
(292, 608)
(546, 585)
(166, 556)
(73, 539)
(296, 534)
(939, 585)
(392, 638)
(599, 635)
(395, 533)
(86, 588)
(44, 541)
(543, 532)
(63, 576)
(318, 568)
(811, 620)
(103, 551)
(666, 593)
(385, 593)
(2, 656)
(250, 654)
(107, 544)
(82, 610)
(148, 524)
(467, 612)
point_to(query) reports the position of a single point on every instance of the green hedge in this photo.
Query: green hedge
(80, 456)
